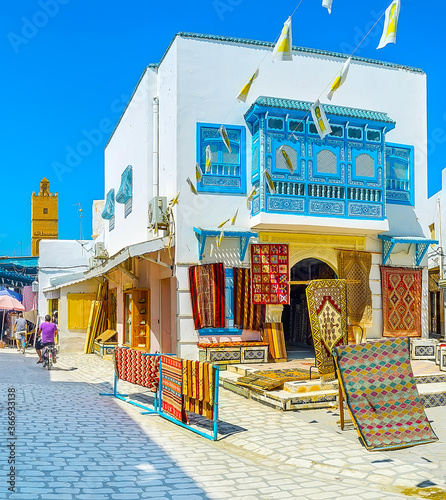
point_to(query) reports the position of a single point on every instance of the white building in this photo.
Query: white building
(367, 178)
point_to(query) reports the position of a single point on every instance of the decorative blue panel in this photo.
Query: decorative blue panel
(125, 191)
(366, 210)
(320, 207)
(228, 169)
(399, 174)
(256, 205)
(109, 208)
(281, 204)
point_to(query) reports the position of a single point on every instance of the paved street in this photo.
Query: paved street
(72, 443)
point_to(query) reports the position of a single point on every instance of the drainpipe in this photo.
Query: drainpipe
(155, 161)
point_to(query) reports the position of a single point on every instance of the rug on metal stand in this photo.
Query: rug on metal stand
(327, 309)
(401, 296)
(172, 387)
(381, 394)
(198, 387)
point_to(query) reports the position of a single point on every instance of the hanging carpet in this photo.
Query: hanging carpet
(328, 318)
(355, 267)
(198, 388)
(138, 368)
(247, 316)
(273, 334)
(207, 292)
(401, 296)
(381, 394)
(172, 387)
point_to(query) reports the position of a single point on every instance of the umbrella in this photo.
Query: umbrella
(9, 303)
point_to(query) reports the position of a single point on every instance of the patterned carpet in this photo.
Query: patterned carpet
(381, 394)
(172, 387)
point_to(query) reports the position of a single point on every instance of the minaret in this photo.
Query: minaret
(44, 216)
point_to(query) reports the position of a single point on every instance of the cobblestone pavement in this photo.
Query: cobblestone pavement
(72, 443)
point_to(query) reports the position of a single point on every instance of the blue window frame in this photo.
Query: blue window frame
(400, 174)
(228, 169)
(229, 291)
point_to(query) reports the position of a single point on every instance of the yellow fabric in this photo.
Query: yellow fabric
(78, 305)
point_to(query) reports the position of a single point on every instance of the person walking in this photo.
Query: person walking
(19, 329)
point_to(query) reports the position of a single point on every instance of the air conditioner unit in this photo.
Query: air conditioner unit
(157, 209)
(99, 250)
(93, 262)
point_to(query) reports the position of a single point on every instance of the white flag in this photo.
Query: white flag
(250, 196)
(223, 223)
(208, 159)
(225, 137)
(287, 160)
(269, 182)
(245, 90)
(192, 187)
(198, 172)
(327, 5)
(234, 218)
(390, 24)
(340, 79)
(283, 50)
(320, 120)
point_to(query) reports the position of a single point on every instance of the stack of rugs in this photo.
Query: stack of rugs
(187, 386)
(267, 380)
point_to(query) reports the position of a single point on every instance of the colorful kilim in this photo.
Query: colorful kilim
(207, 292)
(381, 394)
(247, 316)
(172, 387)
(231, 344)
(355, 267)
(273, 334)
(401, 296)
(270, 274)
(198, 388)
(150, 372)
(328, 318)
(124, 364)
(138, 368)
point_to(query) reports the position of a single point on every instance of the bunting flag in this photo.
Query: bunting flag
(340, 79)
(225, 137)
(250, 196)
(269, 182)
(219, 239)
(320, 120)
(327, 5)
(234, 218)
(390, 24)
(283, 50)
(223, 223)
(192, 187)
(198, 172)
(245, 90)
(288, 162)
(175, 200)
(211, 250)
(208, 159)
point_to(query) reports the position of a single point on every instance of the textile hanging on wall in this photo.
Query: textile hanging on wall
(247, 316)
(355, 267)
(273, 334)
(386, 409)
(198, 388)
(327, 309)
(29, 298)
(172, 387)
(270, 274)
(207, 292)
(401, 296)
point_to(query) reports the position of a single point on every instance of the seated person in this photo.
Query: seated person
(47, 333)
(19, 329)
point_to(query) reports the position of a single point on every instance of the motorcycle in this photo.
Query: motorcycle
(49, 353)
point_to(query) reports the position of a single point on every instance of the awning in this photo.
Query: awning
(389, 242)
(127, 252)
(203, 233)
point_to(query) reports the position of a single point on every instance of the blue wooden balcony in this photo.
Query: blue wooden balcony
(338, 181)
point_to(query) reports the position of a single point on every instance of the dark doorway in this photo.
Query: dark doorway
(295, 319)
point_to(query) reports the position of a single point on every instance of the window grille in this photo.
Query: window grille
(364, 166)
(326, 162)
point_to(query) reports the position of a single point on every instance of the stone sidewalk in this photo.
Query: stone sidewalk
(74, 444)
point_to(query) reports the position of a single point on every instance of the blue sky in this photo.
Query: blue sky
(69, 67)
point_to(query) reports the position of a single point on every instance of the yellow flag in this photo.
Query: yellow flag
(390, 24)
(340, 79)
(208, 159)
(219, 239)
(175, 200)
(269, 182)
(234, 217)
(198, 172)
(287, 159)
(223, 223)
(283, 50)
(250, 196)
(245, 90)
(225, 137)
(320, 119)
(192, 187)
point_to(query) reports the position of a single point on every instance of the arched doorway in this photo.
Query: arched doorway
(295, 319)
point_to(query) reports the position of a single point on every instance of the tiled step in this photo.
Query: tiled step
(432, 394)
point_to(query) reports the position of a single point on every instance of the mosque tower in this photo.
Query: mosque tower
(44, 216)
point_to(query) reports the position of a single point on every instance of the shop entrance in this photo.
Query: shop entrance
(295, 319)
